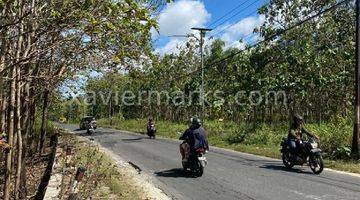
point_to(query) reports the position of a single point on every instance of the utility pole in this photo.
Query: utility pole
(356, 140)
(202, 91)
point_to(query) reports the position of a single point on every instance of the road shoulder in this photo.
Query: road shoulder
(136, 177)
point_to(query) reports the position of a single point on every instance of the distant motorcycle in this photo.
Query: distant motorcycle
(311, 153)
(90, 129)
(196, 162)
(151, 130)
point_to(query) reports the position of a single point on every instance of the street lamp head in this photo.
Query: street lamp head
(201, 29)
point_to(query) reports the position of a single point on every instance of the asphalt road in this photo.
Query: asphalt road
(229, 175)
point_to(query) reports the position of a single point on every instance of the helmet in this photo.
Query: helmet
(297, 119)
(195, 122)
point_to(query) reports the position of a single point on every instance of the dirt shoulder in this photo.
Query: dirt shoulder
(107, 176)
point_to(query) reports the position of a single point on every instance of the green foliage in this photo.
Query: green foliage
(261, 140)
(333, 136)
(342, 152)
(311, 64)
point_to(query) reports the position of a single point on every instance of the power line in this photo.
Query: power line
(182, 42)
(237, 13)
(243, 39)
(231, 25)
(278, 33)
(226, 14)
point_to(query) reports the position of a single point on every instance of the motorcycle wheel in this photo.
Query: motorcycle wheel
(316, 164)
(199, 170)
(286, 160)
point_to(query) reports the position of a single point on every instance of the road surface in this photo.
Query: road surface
(229, 175)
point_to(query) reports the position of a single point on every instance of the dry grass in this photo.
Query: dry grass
(102, 179)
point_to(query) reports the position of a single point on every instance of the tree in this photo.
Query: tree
(42, 43)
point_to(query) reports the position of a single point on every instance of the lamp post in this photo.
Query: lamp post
(202, 91)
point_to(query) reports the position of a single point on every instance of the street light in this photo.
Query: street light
(201, 41)
(202, 92)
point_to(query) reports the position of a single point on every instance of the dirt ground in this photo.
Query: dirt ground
(35, 168)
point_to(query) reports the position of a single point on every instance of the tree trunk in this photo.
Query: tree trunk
(31, 124)
(3, 114)
(10, 133)
(44, 121)
(26, 131)
(19, 136)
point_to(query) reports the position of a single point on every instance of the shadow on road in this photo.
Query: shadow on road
(132, 139)
(174, 173)
(283, 168)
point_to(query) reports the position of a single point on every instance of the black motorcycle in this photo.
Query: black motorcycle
(151, 130)
(310, 152)
(196, 162)
(90, 129)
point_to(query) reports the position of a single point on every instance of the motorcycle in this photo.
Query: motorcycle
(90, 129)
(151, 130)
(196, 162)
(310, 153)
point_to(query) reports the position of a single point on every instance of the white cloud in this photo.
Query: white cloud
(232, 33)
(236, 44)
(171, 47)
(177, 19)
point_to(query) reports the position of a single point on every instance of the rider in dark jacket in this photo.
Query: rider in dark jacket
(194, 137)
(151, 130)
(295, 135)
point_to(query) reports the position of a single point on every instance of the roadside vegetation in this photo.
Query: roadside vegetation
(102, 179)
(47, 43)
(262, 139)
(34, 165)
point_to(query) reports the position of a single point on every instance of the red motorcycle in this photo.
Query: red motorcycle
(196, 162)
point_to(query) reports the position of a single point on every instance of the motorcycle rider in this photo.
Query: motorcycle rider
(295, 135)
(194, 138)
(90, 128)
(151, 127)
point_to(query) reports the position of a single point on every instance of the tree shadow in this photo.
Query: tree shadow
(129, 140)
(283, 168)
(175, 173)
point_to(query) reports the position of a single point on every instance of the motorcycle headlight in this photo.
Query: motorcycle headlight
(314, 145)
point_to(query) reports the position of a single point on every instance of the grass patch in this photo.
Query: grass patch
(258, 139)
(102, 179)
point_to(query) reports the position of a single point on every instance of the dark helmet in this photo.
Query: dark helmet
(150, 119)
(195, 122)
(297, 119)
